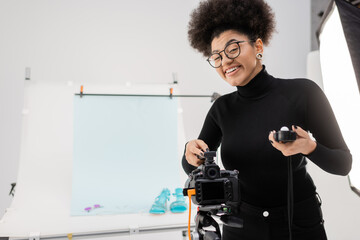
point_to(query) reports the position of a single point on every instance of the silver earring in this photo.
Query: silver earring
(259, 56)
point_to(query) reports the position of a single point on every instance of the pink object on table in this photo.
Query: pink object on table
(97, 206)
(87, 209)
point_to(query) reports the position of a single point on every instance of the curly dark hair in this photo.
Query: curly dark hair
(253, 18)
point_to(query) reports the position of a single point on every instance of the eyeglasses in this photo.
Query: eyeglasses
(231, 51)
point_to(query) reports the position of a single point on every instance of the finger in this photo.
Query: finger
(197, 161)
(194, 147)
(299, 131)
(193, 160)
(204, 147)
(271, 137)
(193, 153)
(275, 144)
(278, 145)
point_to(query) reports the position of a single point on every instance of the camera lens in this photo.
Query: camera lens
(212, 173)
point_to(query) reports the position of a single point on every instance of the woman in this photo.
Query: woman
(231, 34)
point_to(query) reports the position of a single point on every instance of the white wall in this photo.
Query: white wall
(112, 41)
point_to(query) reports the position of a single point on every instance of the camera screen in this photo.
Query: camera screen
(212, 190)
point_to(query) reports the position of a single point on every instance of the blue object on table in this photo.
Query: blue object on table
(160, 204)
(179, 205)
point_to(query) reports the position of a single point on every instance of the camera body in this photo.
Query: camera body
(212, 185)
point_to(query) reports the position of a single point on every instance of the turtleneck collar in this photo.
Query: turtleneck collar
(258, 86)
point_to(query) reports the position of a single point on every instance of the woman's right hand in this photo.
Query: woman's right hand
(194, 153)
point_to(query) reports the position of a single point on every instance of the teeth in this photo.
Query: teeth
(231, 69)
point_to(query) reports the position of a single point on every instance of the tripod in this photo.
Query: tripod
(204, 218)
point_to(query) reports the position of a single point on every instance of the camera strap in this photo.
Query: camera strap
(290, 196)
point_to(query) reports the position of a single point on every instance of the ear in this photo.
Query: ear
(259, 46)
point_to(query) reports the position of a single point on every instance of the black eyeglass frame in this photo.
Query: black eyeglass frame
(237, 42)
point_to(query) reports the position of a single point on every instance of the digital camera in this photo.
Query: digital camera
(212, 185)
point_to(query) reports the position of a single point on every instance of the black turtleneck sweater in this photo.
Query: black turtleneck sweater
(241, 121)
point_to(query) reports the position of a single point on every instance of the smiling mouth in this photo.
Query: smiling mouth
(231, 70)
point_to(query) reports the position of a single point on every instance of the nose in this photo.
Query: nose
(225, 60)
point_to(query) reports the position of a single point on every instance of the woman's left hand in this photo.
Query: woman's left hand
(303, 143)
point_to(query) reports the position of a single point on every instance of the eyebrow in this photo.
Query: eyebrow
(226, 44)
